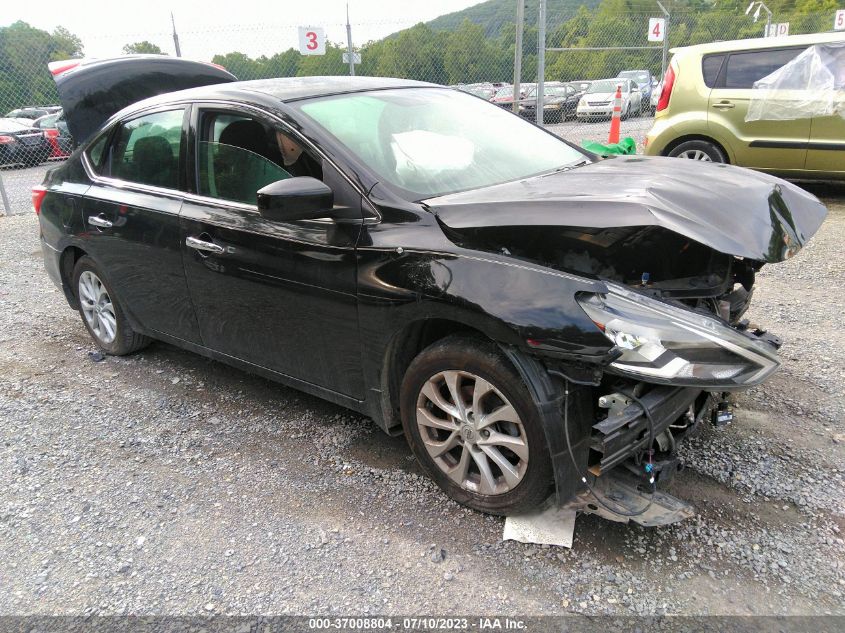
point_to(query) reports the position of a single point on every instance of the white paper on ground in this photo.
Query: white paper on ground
(552, 526)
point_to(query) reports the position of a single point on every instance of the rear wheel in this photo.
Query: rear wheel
(102, 313)
(473, 427)
(698, 150)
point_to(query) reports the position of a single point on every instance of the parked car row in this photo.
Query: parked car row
(31, 135)
(581, 99)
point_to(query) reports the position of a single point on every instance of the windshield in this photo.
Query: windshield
(427, 142)
(606, 85)
(556, 91)
(640, 76)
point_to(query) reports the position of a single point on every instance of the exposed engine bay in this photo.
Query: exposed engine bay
(652, 259)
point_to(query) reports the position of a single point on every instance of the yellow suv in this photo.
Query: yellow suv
(703, 105)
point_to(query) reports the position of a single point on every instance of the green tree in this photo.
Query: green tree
(24, 54)
(142, 48)
(240, 65)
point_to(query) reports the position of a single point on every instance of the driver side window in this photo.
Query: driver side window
(237, 157)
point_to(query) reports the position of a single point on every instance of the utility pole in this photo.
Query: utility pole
(175, 36)
(517, 54)
(541, 63)
(761, 6)
(349, 43)
(665, 40)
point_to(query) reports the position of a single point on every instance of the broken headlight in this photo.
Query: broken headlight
(664, 343)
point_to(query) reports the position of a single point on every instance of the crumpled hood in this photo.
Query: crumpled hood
(733, 210)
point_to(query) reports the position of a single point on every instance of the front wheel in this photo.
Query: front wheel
(698, 150)
(102, 313)
(474, 428)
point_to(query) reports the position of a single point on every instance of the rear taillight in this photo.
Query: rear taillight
(666, 93)
(38, 193)
(5, 140)
(57, 68)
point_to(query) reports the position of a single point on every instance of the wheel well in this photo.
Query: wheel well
(697, 137)
(406, 345)
(67, 263)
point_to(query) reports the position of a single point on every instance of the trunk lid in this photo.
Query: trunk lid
(92, 90)
(733, 210)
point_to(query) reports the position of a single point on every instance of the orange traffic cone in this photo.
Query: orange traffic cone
(613, 137)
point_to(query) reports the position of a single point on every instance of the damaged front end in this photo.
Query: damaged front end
(677, 249)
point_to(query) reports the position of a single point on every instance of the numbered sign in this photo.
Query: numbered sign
(839, 20)
(656, 28)
(778, 30)
(312, 40)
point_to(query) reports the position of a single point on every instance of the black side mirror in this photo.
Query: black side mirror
(300, 198)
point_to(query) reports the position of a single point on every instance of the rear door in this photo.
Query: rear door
(772, 145)
(826, 152)
(131, 218)
(827, 134)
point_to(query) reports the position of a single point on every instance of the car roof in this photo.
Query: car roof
(284, 89)
(10, 124)
(759, 43)
(295, 88)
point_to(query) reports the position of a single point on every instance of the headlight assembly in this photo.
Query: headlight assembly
(667, 344)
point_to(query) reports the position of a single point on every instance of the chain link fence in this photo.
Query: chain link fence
(590, 43)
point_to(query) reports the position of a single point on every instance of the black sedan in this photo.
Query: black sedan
(22, 144)
(531, 317)
(560, 103)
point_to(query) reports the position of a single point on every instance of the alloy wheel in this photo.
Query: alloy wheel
(695, 154)
(472, 432)
(97, 307)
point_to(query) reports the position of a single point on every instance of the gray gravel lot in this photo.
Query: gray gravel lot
(164, 483)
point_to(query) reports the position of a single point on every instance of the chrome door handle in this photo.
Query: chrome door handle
(724, 105)
(202, 245)
(96, 220)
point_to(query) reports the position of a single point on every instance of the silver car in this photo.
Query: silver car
(597, 102)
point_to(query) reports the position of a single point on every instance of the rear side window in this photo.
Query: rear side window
(146, 150)
(710, 67)
(746, 68)
(95, 152)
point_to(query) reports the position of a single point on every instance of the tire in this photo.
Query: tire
(101, 311)
(698, 150)
(471, 365)
(627, 112)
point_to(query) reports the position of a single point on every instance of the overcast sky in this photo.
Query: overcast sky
(207, 27)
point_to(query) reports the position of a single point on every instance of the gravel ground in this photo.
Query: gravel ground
(164, 483)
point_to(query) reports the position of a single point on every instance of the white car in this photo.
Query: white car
(597, 102)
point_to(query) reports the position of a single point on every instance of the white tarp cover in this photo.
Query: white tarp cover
(811, 85)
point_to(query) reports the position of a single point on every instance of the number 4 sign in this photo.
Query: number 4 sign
(656, 28)
(312, 40)
(839, 20)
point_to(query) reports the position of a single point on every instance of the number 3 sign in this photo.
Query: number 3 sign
(312, 40)
(655, 29)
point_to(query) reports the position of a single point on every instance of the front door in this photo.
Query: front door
(279, 295)
(762, 144)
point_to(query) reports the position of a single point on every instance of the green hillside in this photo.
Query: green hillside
(494, 14)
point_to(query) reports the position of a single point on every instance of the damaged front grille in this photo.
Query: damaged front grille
(627, 429)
